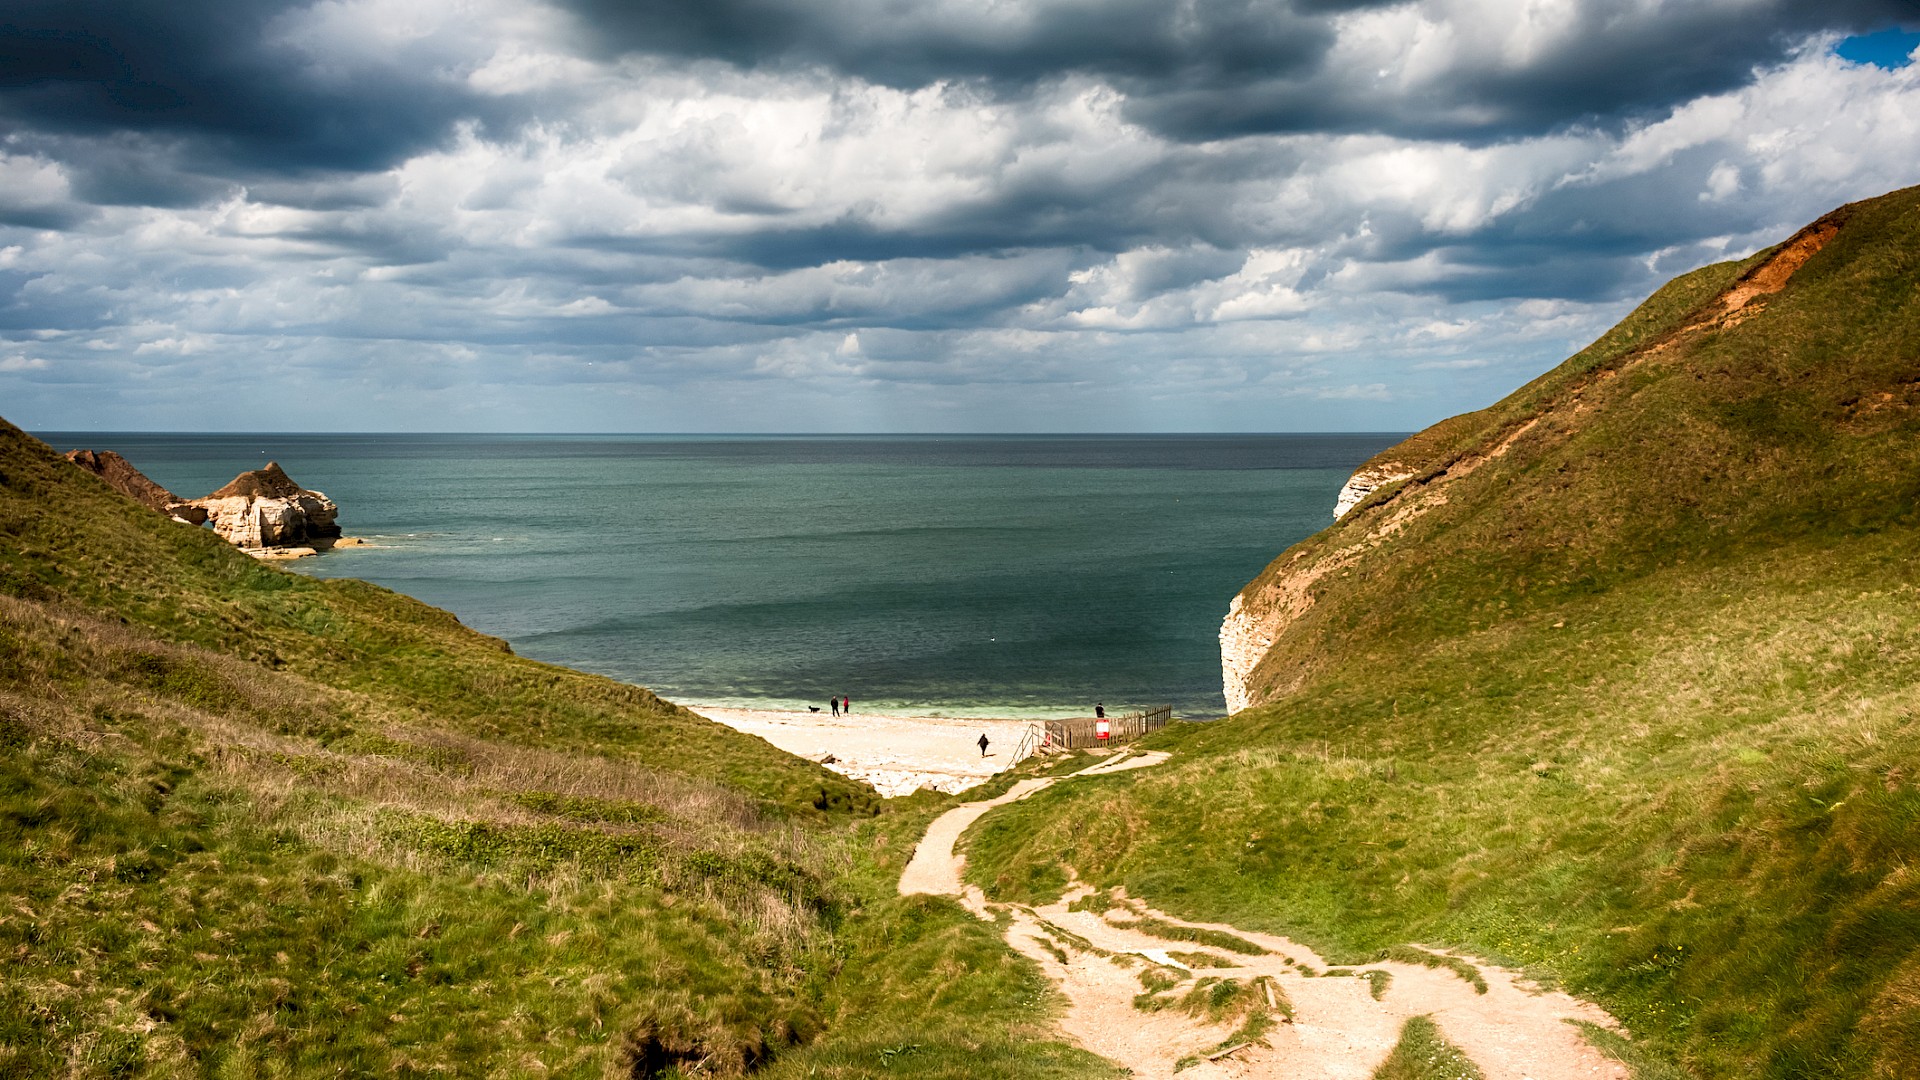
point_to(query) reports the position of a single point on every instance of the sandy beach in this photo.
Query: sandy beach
(896, 754)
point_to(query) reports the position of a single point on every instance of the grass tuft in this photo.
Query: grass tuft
(1424, 1054)
(1409, 954)
(1169, 931)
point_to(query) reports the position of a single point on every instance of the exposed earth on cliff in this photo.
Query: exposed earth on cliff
(263, 511)
(121, 476)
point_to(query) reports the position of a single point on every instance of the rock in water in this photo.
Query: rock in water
(266, 509)
(122, 477)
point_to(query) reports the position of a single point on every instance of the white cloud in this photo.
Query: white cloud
(1355, 392)
(760, 235)
(29, 183)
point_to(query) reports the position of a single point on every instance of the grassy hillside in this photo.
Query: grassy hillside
(256, 824)
(1621, 686)
(69, 537)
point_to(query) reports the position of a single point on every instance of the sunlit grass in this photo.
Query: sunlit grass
(256, 825)
(1424, 1054)
(1634, 708)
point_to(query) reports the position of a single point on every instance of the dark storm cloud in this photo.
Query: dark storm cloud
(1179, 198)
(215, 74)
(1522, 272)
(42, 217)
(1210, 69)
(128, 168)
(750, 200)
(1610, 69)
(1613, 68)
(913, 45)
(1011, 222)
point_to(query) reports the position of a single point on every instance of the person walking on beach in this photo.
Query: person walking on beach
(846, 705)
(983, 744)
(1099, 711)
(834, 704)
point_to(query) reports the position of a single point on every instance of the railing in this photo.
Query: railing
(1082, 732)
(1029, 742)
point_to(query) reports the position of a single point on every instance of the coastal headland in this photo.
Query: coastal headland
(1611, 693)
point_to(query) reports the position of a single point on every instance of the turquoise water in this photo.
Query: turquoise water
(1011, 575)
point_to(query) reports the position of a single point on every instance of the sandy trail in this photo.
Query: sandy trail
(896, 754)
(1339, 1031)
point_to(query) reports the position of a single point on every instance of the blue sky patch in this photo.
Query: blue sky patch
(1889, 49)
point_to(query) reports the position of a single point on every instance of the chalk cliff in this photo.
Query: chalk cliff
(266, 509)
(1366, 482)
(1577, 473)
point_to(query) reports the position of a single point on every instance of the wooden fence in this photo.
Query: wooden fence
(1083, 731)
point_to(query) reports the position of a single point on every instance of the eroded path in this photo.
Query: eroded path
(1155, 993)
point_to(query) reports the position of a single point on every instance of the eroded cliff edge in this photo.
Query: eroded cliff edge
(263, 512)
(1498, 471)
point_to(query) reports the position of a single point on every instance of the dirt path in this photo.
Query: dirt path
(1339, 1028)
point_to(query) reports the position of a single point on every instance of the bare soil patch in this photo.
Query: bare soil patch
(1325, 1022)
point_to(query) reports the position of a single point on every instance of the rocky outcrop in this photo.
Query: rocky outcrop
(262, 512)
(266, 509)
(122, 477)
(1366, 482)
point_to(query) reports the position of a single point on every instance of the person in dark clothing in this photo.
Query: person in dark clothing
(983, 744)
(834, 704)
(1099, 711)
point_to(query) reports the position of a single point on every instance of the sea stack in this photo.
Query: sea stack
(265, 509)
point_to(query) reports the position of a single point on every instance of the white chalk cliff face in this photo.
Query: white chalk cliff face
(1278, 598)
(1241, 647)
(1249, 629)
(1366, 482)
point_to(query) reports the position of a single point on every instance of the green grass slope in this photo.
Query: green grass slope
(253, 824)
(67, 536)
(1621, 687)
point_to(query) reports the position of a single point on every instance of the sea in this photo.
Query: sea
(990, 575)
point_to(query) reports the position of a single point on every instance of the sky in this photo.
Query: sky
(877, 216)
